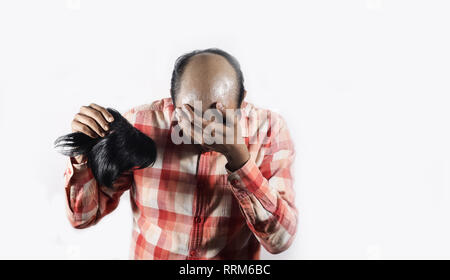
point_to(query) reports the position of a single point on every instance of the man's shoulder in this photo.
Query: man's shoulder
(262, 117)
(157, 105)
(156, 113)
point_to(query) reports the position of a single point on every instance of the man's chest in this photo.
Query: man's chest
(184, 182)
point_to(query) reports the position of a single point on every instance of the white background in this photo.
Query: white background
(363, 84)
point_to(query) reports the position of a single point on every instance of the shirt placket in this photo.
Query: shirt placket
(199, 207)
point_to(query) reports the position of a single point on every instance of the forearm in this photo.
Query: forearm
(81, 195)
(269, 215)
(237, 156)
(86, 201)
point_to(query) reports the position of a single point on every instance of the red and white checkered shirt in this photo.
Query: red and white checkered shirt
(188, 205)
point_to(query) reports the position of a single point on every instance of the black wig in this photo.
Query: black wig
(123, 148)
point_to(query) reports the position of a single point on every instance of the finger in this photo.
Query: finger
(237, 127)
(181, 114)
(209, 124)
(194, 132)
(179, 126)
(107, 115)
(192, 111)
(91, 123)
(79, 127)
(208, 127)
(211, 133)
(196, 119)
(232, 120)
(228, 118)
(186, 128)
(96, 115)
(195, 123)
(187, 111)
(187, 115)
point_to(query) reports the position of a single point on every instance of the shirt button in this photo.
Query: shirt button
(198, 220)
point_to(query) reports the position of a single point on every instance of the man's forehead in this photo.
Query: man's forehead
(208, 78)
(208, 90)
(224, 92)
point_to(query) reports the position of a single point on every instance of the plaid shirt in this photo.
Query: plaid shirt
(188, 205)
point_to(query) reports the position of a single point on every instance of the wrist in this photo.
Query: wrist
(237, 156)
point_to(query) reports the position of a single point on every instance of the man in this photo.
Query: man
(206, 200)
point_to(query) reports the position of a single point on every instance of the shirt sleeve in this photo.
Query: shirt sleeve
(265, 193)
(86, 201)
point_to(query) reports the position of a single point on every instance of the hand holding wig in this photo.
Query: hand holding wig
(124, 148)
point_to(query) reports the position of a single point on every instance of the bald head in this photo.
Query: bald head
(207, 77)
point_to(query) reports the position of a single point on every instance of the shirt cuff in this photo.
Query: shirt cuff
(78, 166)
(75, 170)
(235, 177)
(249, 180)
